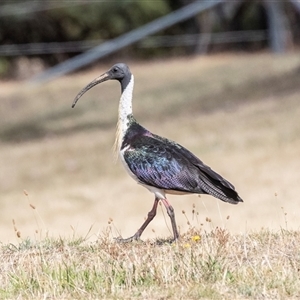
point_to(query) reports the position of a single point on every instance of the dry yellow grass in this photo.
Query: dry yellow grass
(59, 186)
(203, 265)
(239, 114)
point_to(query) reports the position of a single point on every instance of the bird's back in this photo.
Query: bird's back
(164, 164)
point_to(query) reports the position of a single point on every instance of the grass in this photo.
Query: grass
(238, 113)
(214, 265)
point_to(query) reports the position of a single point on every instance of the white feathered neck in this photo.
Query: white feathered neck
(125, 109)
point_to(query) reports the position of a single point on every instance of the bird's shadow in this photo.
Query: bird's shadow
(156, 242)
(164, 241)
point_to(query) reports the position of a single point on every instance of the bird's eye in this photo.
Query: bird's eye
(115, 69)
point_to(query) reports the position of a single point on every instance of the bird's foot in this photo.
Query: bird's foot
(133, 238)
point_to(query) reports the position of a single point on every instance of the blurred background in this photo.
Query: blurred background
(222, 78)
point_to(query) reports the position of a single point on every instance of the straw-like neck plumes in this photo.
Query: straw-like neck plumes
(125, 110)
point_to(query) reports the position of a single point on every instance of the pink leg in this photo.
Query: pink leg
(171, 214)
(151, 215)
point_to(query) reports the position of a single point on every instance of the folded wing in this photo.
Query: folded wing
(167, 165)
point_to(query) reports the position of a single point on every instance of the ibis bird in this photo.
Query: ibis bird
(159, 164)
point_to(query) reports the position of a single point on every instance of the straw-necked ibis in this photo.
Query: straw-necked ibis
(159, 164)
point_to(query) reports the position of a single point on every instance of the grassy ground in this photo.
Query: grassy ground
(213, 265)
(238, 113)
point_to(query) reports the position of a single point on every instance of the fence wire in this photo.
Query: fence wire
(150, 42)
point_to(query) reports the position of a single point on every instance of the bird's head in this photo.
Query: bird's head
(118, 72)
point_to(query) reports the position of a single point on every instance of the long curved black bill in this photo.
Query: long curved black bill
(96, 81)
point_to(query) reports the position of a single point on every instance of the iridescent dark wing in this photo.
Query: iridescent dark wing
(166, 165)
